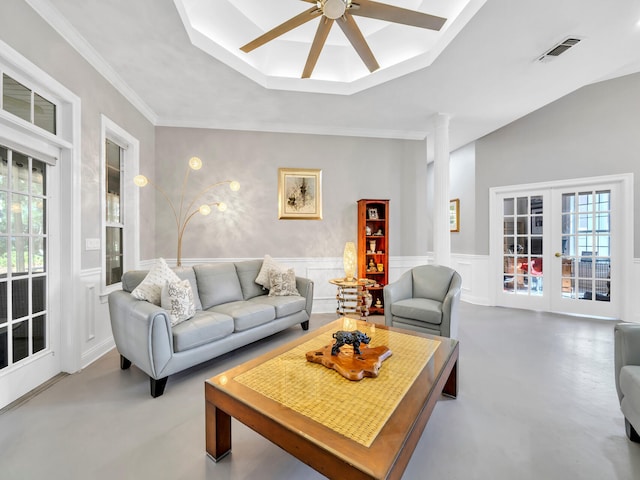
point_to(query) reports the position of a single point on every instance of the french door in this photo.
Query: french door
(559, 248)
(28, 337)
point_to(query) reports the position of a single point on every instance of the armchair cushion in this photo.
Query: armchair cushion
(432, 283)
(420, 310)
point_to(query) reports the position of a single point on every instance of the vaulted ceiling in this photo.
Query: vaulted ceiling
(483, 70)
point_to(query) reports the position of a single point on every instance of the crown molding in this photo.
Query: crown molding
(60, 24)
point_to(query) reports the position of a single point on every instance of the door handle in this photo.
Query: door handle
(558, 254)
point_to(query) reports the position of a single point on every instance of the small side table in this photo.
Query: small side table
(353, 297)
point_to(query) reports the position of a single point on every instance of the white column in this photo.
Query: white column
(441, 235)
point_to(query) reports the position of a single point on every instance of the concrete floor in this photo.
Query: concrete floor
(536, 401)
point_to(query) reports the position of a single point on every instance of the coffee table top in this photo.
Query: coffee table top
(364, 422)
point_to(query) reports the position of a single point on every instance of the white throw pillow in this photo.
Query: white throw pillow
(282, 283)
(177, 299)
(268, 264)
(151, 287)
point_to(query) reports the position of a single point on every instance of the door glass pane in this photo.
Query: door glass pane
(19, 255)
(585, 243)
(39, 336)
(3, 302)
(38, 226)
(4, 348)
(3, 256)
(20, 298)
(39, 294)
(522, 245)
(3, 213)
(19, 213)
(20, 334)
(38, 183)
(38, 257)
(508, 206)
(20, 173)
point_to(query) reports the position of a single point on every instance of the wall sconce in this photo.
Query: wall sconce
(184, 215)
(349, 261)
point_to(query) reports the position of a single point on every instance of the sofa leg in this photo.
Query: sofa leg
(305, 325)
(124, 363)
(157, 386)
(631, 432)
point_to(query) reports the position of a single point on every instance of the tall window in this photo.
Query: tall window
(23, 256)
(114, 233)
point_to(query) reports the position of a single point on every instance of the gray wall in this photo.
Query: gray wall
(352, 168)
(593, 131)
(25, 31)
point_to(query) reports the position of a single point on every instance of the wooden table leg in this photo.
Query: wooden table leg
(451, 387)
(217, 432)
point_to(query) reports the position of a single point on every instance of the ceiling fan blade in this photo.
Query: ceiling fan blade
(353, 33)
(283, 28)
(316, 47)
(389, 13)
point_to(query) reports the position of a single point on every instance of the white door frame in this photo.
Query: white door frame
(65, 257)
(625, 233)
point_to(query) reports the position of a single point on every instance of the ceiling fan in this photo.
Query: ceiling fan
(343, 11)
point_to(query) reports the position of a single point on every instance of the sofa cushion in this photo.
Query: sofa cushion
(204, 327)
(283, 283)
(177, 299)
(284, 305)
(151, 287)
(247, 273)
(247, 315)
(217, 283)
(418, 309)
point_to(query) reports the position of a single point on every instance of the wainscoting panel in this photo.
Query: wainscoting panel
(96, 337)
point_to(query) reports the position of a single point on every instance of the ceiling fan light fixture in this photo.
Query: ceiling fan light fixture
(333, 9)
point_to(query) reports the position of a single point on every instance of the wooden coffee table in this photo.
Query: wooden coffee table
(264, 394)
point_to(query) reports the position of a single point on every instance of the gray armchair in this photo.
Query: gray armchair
(627, 370)
(424, 299)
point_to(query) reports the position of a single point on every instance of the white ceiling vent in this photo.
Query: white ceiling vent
(559, 49)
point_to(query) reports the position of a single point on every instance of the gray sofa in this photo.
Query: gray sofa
(231, 311)
(627, 371)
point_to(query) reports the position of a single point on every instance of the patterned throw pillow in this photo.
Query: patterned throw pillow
(151, 287)
(268, 264)
(177, 299)
(283, 282)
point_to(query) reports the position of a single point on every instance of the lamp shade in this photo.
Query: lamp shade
(349, 261)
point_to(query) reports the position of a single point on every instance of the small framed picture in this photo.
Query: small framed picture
(373, 214)
(299, 194)
(454, 215)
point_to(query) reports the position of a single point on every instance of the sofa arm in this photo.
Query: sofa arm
(142, 332)
(627, 348)
(305, 288)
(450, 308)
(398, 290)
